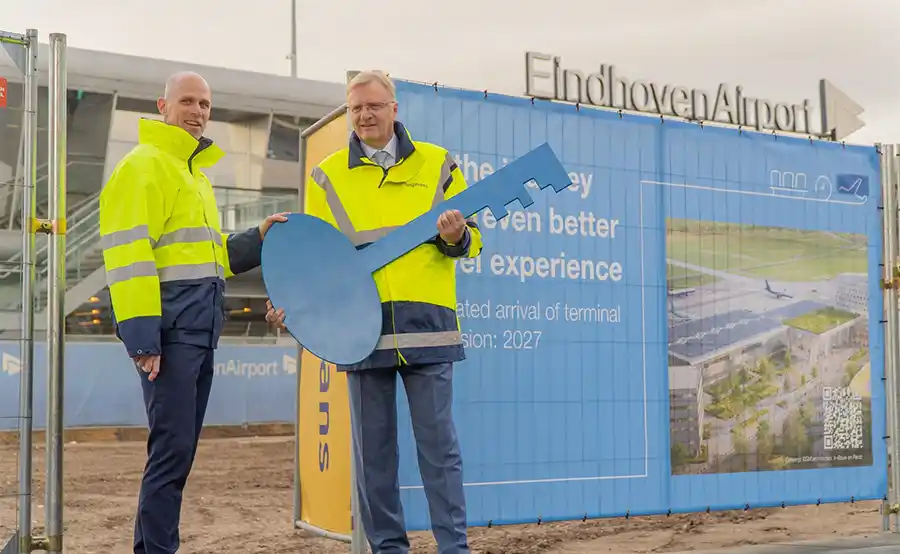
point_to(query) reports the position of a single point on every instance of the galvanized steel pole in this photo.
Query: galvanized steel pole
(56, 279)
(26, 60)
(889, 226)
(357, 534)
(298, 497)
(293, 54)
(29, 215)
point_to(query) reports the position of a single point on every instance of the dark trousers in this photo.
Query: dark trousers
(373, 414)
(176, 403)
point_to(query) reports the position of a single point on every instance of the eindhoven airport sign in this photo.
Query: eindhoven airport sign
(728, 104)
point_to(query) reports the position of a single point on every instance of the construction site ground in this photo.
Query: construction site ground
(239, 499)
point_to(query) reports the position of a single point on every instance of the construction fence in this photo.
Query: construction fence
(697, 323)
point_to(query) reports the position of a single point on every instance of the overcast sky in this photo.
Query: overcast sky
(776, 49)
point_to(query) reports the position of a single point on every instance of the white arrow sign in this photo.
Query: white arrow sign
(289, 363)
(10, 364)
(840, 114)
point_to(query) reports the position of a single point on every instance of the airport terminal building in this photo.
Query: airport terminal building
(256, 119)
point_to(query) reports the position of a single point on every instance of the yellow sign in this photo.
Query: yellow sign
(325, 141)
(324, 446)
(323, 407)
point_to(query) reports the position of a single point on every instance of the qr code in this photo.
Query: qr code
(843, 419)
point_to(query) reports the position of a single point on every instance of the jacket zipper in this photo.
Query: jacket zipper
(400, 359)
(200, 148)
(384, 171)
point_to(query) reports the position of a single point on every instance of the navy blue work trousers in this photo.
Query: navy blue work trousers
(373, 415)
(176, 404)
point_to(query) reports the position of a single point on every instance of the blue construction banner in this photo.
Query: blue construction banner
(687, 327)
(252, 384)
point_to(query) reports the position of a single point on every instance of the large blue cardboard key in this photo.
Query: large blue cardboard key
(325, 285)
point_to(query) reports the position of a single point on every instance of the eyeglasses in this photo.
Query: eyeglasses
(371, 106)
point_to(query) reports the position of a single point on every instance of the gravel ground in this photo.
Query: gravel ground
(239, 500)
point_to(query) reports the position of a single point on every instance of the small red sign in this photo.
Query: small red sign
(3, 89)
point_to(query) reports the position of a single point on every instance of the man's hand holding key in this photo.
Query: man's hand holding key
(273, 315)
(452, 226)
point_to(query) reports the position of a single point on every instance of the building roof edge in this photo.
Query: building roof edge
(144, 78)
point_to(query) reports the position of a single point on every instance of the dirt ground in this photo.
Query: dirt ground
(239, 500)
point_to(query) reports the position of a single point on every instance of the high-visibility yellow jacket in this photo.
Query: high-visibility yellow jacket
(417, 290)
(162, 245)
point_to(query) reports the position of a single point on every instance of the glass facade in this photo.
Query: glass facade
(10, 138)
(284, 140)
(244, 317)
(88, 132)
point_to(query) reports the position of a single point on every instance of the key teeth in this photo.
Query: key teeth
(558, 183)
(562, 185)
(525, 199)
(499, 212)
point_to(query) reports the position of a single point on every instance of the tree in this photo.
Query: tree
(680, 454)
(741, 445)
(765, 444)
(796, 442)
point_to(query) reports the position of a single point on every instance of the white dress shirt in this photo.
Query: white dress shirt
(385, 157)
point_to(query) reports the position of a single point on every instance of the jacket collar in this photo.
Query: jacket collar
(179, 143)
(405, 147)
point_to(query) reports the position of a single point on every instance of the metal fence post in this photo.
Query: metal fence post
(29, 215)
(56, 278)
(357, 534)
(301, 208)
(55, 225)
(298, 498)
(892, 355)
(21, 542)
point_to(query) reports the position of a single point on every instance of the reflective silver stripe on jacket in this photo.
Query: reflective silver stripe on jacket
(440, 194)
(189, 235)
(126, 236)
(130, 271)
(177, 272)
(365, 237)
(419, 340)
(334, 203)
(371, 235)
(185, 235)
(181, 272)
(444, 180)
